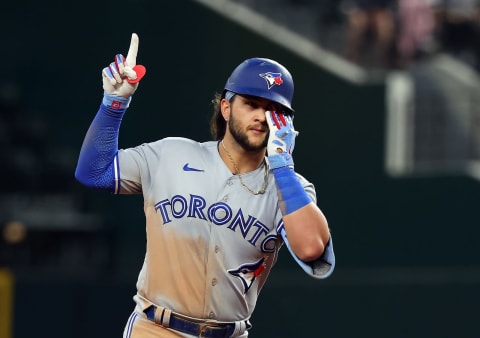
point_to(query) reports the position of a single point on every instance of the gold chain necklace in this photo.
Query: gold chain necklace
(261, 191)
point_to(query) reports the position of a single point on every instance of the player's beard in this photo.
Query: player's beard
(241, 137)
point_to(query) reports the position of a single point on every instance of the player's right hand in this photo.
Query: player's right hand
(122, 76)
(281, 139)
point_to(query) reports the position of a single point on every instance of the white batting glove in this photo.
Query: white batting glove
(281, 140)
(120, 79)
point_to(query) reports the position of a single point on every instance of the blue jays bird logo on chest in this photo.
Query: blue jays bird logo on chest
(273, 79)
(248, 273)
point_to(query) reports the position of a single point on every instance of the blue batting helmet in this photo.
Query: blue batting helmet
(263, 78)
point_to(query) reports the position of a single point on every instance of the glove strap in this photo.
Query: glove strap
(293, 196)
(280, 160)
(116, 102)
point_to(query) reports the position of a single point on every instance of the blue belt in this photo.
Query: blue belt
(201, 329)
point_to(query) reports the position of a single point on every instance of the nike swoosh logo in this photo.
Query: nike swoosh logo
(187, 168)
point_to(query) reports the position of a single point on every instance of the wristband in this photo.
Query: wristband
(280, 160)
(293, 196)
(116, 102)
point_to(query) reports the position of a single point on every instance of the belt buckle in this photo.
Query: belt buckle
(203, 326)
(201, 330)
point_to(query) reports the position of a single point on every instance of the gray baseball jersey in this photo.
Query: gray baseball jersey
(210, 243)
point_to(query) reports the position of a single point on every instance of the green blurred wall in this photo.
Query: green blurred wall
(393, 237)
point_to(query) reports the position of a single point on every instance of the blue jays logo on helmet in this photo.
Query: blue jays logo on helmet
(272, 79)
(248, 273)
(249, 77)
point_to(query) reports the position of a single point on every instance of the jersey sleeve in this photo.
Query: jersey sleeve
(133, 166)
(320, 268)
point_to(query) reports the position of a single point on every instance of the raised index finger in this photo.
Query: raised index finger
(131, 59)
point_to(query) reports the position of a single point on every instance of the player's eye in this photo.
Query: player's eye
(277, 108)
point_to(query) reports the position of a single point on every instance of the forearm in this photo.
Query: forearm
(305, 228)
(307, 231)
(96, 165)
(305, 224)
(291, 193)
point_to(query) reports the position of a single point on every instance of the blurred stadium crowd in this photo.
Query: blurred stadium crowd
(402, 31)
(383, 34)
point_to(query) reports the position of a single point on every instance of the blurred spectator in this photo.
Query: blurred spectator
(415, 30)
(329, 12)
(459, 29)
(370, 23)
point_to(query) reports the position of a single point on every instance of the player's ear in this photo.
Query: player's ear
(225, 107)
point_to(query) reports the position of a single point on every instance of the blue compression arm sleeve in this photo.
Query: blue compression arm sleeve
(97, 162)
(293, 196)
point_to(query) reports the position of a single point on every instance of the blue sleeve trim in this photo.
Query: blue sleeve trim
(97, 165)
(293, 195)
(320, 268)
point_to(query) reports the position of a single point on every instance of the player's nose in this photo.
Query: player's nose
(260, 115)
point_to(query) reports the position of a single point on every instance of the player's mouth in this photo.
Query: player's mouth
(258, 129)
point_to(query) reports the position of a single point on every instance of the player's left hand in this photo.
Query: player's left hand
(281, 140)
(122, 76)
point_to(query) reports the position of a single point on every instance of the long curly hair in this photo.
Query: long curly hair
(218, 125)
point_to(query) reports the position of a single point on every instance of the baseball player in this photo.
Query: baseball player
(218, 212)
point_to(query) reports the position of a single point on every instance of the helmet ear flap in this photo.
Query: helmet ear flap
(263, 78)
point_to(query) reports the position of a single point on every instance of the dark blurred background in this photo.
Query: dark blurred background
(387, 105)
